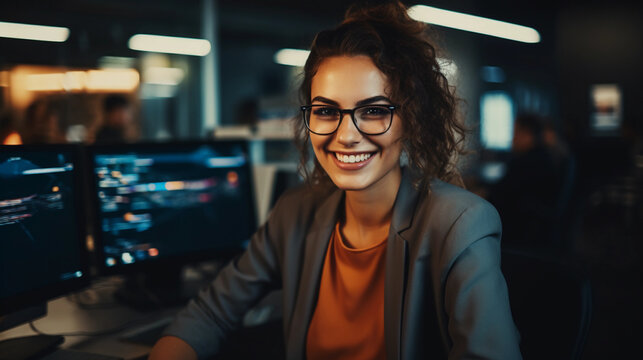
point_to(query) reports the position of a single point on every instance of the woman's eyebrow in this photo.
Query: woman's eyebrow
(325, 100)
(359, 103)
(372, 100)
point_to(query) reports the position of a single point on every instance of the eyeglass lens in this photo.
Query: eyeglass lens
(372, 119)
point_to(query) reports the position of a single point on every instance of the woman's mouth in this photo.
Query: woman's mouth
(353, 161)
(352, 158)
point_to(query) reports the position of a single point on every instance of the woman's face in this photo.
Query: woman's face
(348, 82)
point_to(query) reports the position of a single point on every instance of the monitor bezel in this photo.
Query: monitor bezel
(35, 297)
(178, 260)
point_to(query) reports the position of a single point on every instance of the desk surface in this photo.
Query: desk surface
(64, 315)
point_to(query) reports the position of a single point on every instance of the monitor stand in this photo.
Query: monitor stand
(29, 347)
(153, 288)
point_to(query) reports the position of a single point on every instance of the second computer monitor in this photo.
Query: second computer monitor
(171, 202)
(42, 239)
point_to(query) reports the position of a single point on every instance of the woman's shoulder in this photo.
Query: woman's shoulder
(450, 219)
(452, 200)
(305, 195)
(300, 204)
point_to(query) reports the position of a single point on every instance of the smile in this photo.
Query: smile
(353, 158)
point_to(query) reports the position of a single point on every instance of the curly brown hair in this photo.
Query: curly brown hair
(402, 49)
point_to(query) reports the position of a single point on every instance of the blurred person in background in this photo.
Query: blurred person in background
(8, 132)
(378, 256)
(42, 123)
(530, 195)
(118, 121)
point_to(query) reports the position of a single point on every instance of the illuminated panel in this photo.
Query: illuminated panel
(92, 80)
(496, 120)
(112, 80)
(33, 32)
(166, 202)
(39, 239)
(298, 57)
(291, 57)
(607, 108)
(472, 23)
(169, 44)
(163, 75)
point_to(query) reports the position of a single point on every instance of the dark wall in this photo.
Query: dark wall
(597, 44)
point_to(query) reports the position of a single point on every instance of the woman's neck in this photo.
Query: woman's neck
(368, 212)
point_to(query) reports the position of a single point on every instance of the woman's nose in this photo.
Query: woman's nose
(347, 133)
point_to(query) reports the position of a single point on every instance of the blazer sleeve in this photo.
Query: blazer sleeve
(480, 323)
(219, 308)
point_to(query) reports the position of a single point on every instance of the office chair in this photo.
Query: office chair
(551, 301)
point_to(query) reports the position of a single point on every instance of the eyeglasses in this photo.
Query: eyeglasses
(368, 119)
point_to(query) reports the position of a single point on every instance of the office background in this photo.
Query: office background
(584, 76)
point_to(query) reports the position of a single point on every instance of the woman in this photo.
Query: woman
(375, 260)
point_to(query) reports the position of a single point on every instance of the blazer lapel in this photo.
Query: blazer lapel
(396, 265)
(315, 251)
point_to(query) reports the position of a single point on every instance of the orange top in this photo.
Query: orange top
(348, 322)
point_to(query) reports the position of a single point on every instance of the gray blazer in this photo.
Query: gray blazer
(445, 294)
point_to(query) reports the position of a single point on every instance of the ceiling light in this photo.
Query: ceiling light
(112, 80)
(291, 57)
(163, 75)
(92, 80)
(45, 82)
(474, 24)
(169, 44)
(33, 32)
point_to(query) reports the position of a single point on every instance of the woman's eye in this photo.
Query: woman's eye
(374, 111)
(325, 111)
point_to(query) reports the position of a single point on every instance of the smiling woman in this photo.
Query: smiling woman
(375, 260)
(355, 82)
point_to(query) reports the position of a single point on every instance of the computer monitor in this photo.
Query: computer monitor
(160, 206)
(42, 235)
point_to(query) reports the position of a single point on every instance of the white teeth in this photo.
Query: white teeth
(351, 159)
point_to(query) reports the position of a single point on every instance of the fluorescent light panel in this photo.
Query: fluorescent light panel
(472, 23)
(112, 80)
(298, 57)
(92, 80)
(33, 32)
(169, 44)
(291, 57)
(163, 75)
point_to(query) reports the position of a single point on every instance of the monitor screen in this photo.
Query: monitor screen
(496, 120)
(42, 241)
(171, 202)
(606, 109)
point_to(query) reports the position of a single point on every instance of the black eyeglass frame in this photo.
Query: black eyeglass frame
(342, 112)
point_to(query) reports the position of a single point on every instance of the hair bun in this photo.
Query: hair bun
(392, 14)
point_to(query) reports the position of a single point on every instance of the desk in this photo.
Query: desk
(64, 315)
